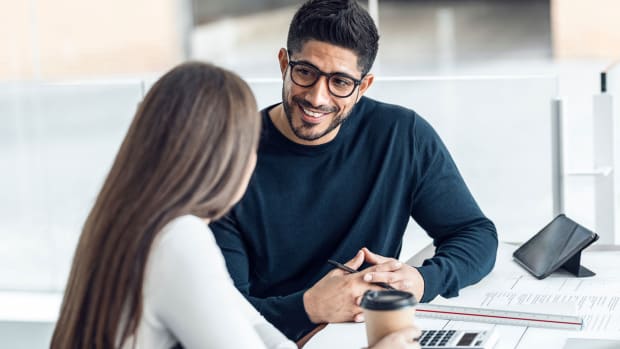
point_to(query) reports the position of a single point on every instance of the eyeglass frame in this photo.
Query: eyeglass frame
(328, 76)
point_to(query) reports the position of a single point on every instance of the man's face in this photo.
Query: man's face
(314, 114)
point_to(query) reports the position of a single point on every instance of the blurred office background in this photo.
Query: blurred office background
(484, 73)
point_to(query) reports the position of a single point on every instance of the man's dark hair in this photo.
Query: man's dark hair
(342, 23)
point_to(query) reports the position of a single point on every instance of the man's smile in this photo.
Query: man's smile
(312, 116)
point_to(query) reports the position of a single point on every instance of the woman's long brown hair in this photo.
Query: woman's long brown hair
(185, 153)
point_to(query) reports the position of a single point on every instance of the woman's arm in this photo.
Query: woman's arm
(194, 297)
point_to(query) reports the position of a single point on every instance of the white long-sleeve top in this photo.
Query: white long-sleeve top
(190, 298)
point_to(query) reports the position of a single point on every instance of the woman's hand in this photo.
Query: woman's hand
(407, 338)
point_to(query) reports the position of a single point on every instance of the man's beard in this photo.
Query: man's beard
(298, 131)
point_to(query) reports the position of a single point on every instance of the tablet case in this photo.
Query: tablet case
(557, 245)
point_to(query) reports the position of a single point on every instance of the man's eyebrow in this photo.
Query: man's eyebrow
(317, 68)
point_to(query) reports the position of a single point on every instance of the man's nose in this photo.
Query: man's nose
(318, 94)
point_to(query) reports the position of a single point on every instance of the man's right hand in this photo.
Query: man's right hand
(335, 298)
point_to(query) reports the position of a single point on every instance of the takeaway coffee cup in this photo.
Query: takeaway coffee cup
(387, 311)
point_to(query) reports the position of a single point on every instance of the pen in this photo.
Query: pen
(351, 270)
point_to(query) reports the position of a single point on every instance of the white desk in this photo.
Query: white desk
(600, 292)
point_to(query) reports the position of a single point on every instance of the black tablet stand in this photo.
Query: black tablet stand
(573, 266)
(558, 245)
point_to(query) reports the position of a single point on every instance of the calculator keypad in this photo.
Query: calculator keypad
(434, 338)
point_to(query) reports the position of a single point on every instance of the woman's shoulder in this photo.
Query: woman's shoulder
(185, 235)
(186, 222)
(186, 227)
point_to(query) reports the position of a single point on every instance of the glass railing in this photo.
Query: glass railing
(57, 142)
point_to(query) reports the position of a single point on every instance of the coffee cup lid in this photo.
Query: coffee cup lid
(387, 300)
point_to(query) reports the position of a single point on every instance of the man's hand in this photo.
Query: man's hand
(406, 277)
(335, 298)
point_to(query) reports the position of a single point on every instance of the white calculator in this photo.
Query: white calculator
(458, 339)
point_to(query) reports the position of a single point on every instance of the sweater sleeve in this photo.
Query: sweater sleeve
(287, 312)
(194, 297)
(465, 240)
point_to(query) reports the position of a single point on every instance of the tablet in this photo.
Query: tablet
(557, 244)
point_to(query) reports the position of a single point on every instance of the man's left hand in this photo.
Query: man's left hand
(406, 278)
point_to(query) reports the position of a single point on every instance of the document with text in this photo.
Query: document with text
(595, 299)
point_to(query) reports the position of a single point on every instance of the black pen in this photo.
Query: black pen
(351, 270)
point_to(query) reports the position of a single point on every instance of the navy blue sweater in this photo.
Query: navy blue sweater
(308, 204)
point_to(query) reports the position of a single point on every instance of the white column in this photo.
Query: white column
(604, 192)
(373, 9)
(557, 157)
(445, 38)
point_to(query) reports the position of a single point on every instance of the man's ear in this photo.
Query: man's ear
(283, 60)
(365, 84)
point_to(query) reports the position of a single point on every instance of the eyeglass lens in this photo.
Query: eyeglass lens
(340, 85)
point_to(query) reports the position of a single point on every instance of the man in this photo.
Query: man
(338, 176)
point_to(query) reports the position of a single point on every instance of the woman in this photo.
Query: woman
(147, 272)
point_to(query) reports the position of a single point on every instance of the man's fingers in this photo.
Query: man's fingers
(374, 258)
(356, 261)
(407, 279)
(403, 285)
(391, 265)
(387, 277)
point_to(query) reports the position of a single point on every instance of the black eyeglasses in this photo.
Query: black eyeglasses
(339, 84)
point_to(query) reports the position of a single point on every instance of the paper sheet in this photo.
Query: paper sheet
(600, 313)
(596, 299)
